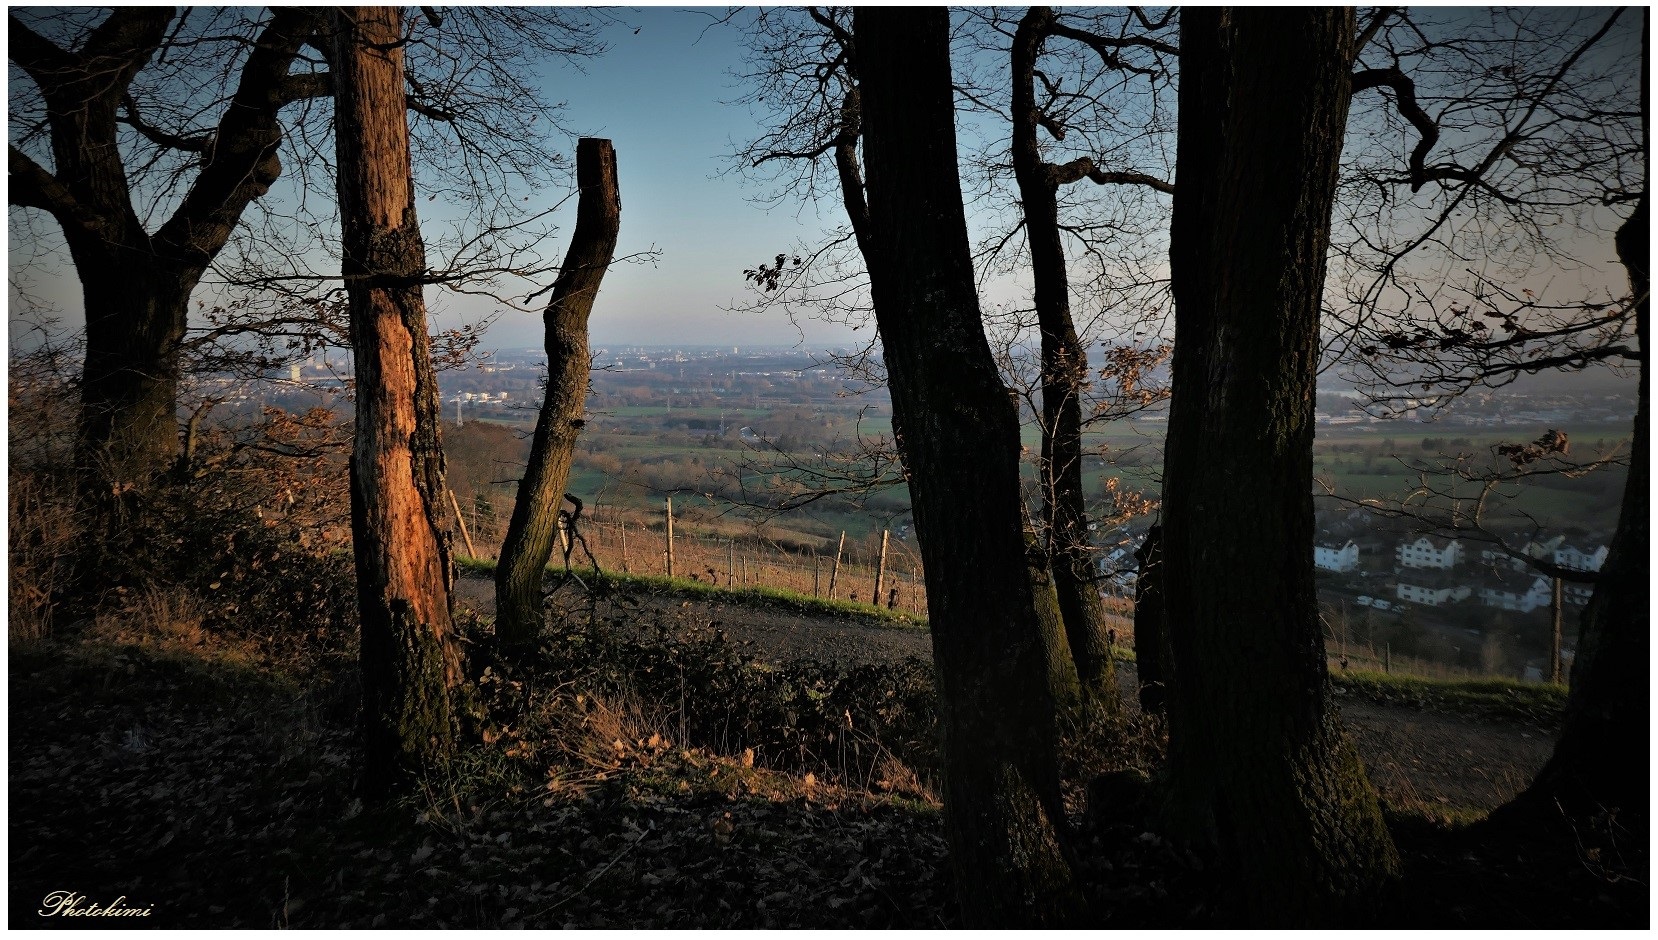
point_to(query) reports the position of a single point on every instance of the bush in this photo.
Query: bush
(256, 531)
(851, 722)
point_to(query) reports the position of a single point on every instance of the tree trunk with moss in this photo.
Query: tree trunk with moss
(1261, 772)
(958, 436)
(1058, 661)
(534, 524)
(1063, 377)
(411, 661)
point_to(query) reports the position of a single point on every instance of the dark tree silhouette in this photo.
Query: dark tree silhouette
(957, 432)
(136, 283)
(815, 70)
(1151, 629)
(1064, 359)
(1261, 772)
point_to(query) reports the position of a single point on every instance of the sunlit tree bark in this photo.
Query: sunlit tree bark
(411, 661)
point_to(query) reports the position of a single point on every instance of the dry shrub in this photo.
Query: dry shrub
(575, 737)
(253, 533)
(165, 618)
(41, 540)
(604, 732)
(1108, 737)
(40, 512)
(892, 775)
(704, 695)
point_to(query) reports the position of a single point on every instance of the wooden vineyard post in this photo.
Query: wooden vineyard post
(623, 527)
(730, 560)
(460, 520)
(835, 572)
(814, 575)
(881, 568)
(1554, 647)
(668, 537)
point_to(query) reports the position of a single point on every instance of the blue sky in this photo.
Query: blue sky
(658, 95)
(661, 93)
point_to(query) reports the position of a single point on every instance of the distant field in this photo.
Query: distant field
(633, 464)
(1346, 459)
(661, 411)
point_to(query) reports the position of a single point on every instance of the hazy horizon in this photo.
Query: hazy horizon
(682, 198)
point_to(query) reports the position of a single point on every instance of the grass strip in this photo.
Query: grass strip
(1500, 699)
(751, 596)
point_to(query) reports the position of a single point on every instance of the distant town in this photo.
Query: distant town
(1431, 593)
(502, 383)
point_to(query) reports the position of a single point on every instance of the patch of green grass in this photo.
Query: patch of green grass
(753, 596)
(1417, 814)
(1503, 699)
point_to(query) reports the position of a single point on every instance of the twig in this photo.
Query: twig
(598, 874)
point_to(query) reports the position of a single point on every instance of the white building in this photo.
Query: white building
(1433, 595)
(1544, 548)
(1516, 593)
(1340, 559)
(1568, 556)
(1576, 594)
(1426, 553)
(1498, 559)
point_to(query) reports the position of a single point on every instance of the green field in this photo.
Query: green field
(623, 412)
(1386, 464)
(632, 456)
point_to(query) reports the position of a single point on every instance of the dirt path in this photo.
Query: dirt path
(1414, 756)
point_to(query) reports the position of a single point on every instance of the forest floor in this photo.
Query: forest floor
(1417, 758)
(208, 780)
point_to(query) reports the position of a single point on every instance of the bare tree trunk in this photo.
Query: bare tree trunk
(534, 523)
(411, 661)
(1601, 760)
(129, 383)
(957, 431)
(1064, 373)
(1058, 663)
(136, 283)
(1151, 629)
(1261, 771)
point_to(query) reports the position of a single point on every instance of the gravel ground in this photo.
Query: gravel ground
(1414, 756)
